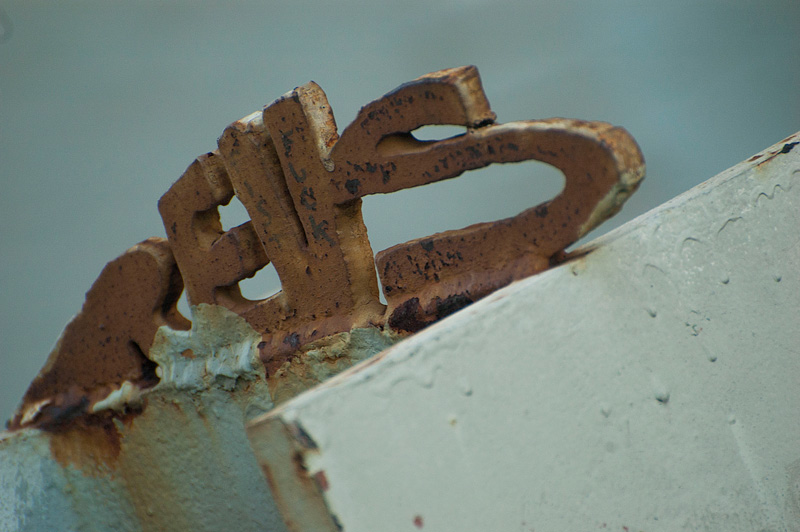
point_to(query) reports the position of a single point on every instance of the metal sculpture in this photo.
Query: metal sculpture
(302, 183)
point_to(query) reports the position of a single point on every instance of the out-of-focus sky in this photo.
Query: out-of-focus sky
(103, 104)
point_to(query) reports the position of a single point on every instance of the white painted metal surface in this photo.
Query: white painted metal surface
(651, 384)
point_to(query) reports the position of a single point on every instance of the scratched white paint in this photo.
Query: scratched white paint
(651, 385)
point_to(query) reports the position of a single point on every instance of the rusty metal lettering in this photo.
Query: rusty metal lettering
(302, 185)
(601, 170)
(319, 249)
(211, 261)
(377, 153)
(108, 341)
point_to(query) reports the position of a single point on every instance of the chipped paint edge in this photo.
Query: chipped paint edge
(297, 494)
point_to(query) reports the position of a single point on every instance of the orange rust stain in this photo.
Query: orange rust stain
(188, 353)
(91, 444)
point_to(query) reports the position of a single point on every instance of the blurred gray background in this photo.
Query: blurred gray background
(103, 104)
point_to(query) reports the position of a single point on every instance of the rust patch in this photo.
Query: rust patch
(451, 304)
(91, 444)
(318, 361)
(105, 344)
(789, 144)
(408, 316)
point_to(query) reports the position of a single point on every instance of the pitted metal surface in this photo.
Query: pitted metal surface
(302, 183)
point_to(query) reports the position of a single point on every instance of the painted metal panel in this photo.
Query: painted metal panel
(648, 384)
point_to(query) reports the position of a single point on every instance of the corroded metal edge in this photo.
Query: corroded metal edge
(280, 449)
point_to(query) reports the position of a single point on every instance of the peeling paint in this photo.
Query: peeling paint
(321, 360)
(158, 458)
(30, 413)
(224, 349)
(613, 201)
(127, 394)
